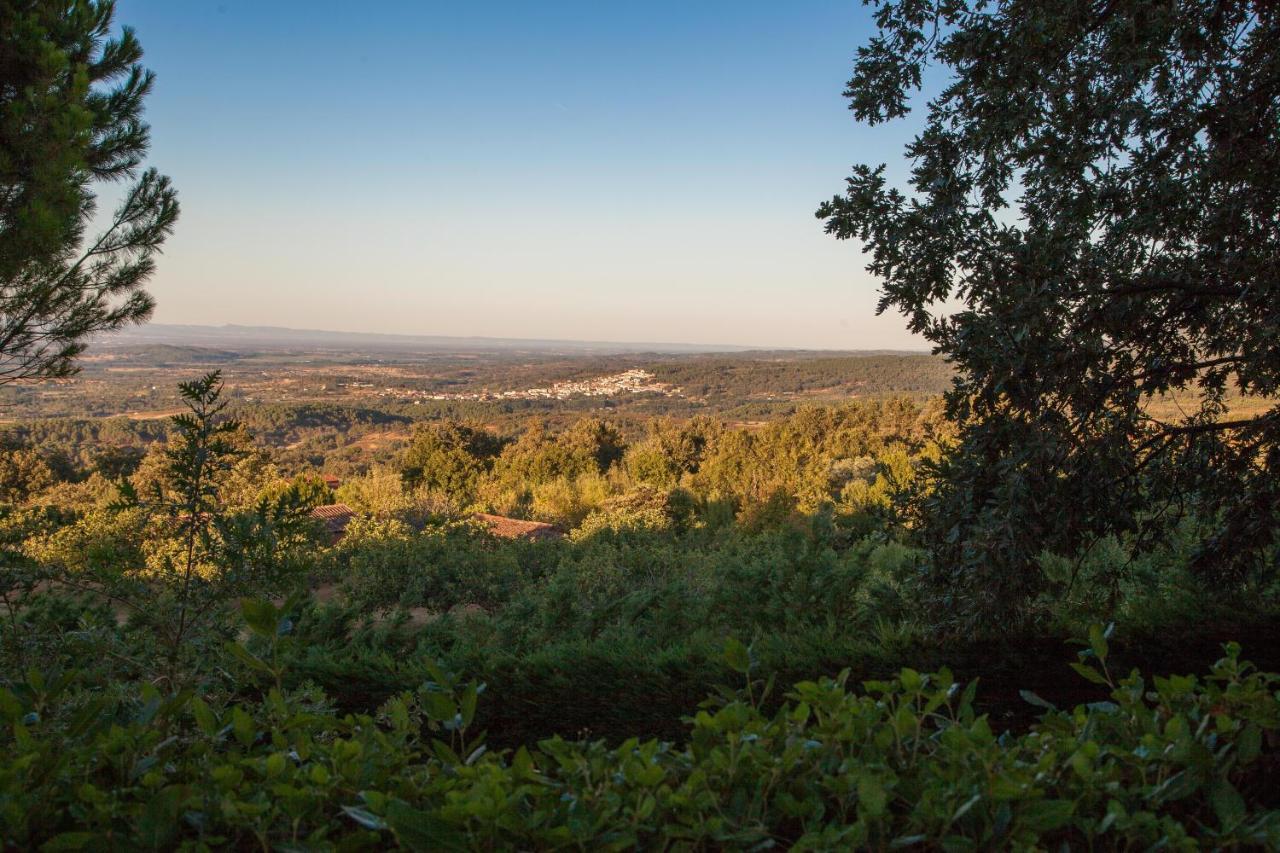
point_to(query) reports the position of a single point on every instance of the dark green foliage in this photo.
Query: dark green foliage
(1173, 763)
(775, 374)
(200, 553)
(635, 581)
(70, 116)
(782, 536)
(141, 708)
(449, 458)
(388, 565)
(64, 434)
(589, 446)
(116, 463)
(285, 424)
(23, 473)
(1097, 186)
(202, 450)
(309, 490)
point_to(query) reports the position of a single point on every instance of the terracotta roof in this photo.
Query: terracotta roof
(334, 517)
(516, 528)
(331, 481)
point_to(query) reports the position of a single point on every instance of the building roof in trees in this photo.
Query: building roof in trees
(517, 528)
(334, 517)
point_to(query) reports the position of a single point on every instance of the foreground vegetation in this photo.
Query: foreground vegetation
(901, 762)
(187, 659)
(431, 684)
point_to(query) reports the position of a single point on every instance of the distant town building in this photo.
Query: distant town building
(335, 518)
(517, 528)
(331, 481)
(635, 381)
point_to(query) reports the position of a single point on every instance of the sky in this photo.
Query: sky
(589, 171)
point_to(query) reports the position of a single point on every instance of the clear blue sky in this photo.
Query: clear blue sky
(605, 171)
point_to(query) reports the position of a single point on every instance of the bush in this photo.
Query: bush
(1177, 762)
(387, 564)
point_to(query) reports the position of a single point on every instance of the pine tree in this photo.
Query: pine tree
(71, 98)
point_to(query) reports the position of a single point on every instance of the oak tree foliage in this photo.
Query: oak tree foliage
(1091, 225)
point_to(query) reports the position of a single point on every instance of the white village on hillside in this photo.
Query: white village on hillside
(634, 381)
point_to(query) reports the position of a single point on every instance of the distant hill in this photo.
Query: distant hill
(274, 337)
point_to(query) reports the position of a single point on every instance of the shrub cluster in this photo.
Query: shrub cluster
(1172, 763)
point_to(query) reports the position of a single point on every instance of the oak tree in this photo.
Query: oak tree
(1091, 233)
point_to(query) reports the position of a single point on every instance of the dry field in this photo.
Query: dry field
(1172, 408)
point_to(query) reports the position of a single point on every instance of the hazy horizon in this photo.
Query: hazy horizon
(225, 334)
(564, 172)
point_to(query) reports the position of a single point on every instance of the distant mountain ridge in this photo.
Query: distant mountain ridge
(278, 337)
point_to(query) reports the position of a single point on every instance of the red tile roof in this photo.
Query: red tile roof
(516, 528)
(335, 517)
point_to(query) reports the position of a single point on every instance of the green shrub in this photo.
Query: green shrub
(1178, 762)
(385, 564)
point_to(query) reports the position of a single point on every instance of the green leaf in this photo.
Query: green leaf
(159, 821)
(439, 707)
(1046, 815)
(445, 754)
(1033, 699)
(420, 830)
(965, 707)
(646, 806)
(522, 764)
(1098, 641)
(1088, 673)
(247, 657)
(364, 817)
(205, 717)
(440, 676)
(242, 726)
(1227, 803)
(70, 841)
(1115, 811)
(10, 707)
(872, 796)
(737, 656)
(467, 707)
(1249, 744)
(261, 616)
(174, 704)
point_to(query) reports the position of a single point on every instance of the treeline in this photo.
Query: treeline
(710, 383)
(746, 376)
(848, 460)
